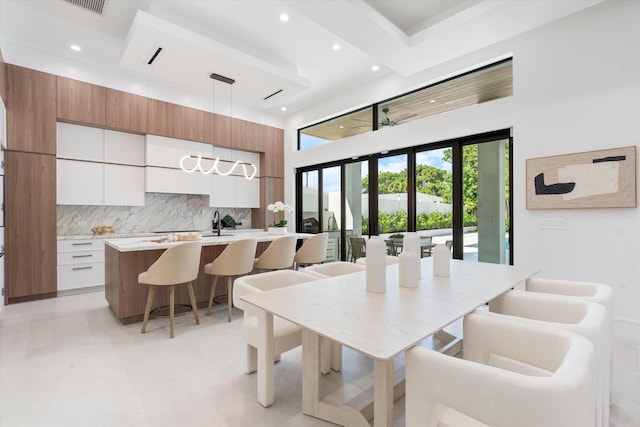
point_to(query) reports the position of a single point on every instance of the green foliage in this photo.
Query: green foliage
(390, 223)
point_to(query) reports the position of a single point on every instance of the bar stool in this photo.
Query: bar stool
(235, 260)
(313, 251)
(278, 255)
(177, 265)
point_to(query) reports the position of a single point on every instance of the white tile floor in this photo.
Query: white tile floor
(68, 362)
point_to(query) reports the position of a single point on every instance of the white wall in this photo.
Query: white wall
(576, 88)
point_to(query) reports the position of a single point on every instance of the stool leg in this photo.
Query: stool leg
(229, 297)
(171, 301)
(147, 309)
(214, 285)
(194, 306)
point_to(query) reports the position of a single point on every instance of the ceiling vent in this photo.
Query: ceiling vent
(95, 6)
(273, 94)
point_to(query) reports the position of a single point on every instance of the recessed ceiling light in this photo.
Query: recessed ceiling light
(341, 127)
(375, 68)
(284, 17)
(75, 47)
(432, 101)
(283, 108)
(335, 47)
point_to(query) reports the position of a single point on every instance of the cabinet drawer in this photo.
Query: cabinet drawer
(75, 276)
(65, 258)
(81, 245)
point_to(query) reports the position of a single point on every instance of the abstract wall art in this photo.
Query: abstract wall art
(592, 179)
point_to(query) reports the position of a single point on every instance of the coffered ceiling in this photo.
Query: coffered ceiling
(246, 40)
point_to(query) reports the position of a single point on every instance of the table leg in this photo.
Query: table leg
(310, 373)
(383, 393)
(265, 358)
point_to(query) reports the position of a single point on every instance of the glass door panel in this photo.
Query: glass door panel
(434, 207)
(486, 195)
(356, 199)
(392, 195)
(310, 208)
(331, 208)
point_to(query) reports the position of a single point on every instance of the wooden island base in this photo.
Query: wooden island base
(127, 298)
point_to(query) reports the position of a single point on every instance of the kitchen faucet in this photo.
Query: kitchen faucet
(216, 221)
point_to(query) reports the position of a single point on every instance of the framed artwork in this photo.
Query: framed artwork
(592, 179)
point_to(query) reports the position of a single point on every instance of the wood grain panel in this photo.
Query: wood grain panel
(227, 132)
(3, 79)
(126, 112)
(253, 136)
(176, 121)
(127, 297)
(273, 162)
(81, 102)
(271, 190)
(31, 110)
(30, 232)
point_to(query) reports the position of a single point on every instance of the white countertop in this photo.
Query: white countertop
(150, 234)
(145, 244)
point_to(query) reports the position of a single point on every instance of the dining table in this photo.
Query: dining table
(380, 326)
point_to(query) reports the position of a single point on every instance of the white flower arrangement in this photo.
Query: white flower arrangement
(279, 208)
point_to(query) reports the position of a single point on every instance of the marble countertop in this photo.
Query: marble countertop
(205, 233)
(145, 244)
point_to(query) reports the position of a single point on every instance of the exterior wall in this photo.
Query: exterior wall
(576, 88)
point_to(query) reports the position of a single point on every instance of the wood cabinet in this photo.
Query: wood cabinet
(126, 111)
(177, 121)
(30, 234)
(81, 102)
(3, 80)
(227, 132)
(271, 190)
(31, 110)
(273, 162)
(253, 136)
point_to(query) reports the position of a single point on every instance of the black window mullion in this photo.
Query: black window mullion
(374, 229)
(411, 191)
(458, 200)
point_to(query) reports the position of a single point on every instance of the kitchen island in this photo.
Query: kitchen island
(126, 258)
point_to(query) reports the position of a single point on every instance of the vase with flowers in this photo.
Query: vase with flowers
(279, 225)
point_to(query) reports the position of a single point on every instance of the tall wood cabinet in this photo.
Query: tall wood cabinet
(30, 232)
(81, 102)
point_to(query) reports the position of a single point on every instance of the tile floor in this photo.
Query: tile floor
(68, 362)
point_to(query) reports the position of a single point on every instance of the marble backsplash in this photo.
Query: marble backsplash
(161, 212)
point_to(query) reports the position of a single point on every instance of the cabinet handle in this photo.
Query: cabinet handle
(82, 244)
(82, 256)
(82, 268)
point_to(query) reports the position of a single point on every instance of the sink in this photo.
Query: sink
(214, 234)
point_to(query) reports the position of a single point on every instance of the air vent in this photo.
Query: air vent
(273, 94)
(154, 56)
(95, 6)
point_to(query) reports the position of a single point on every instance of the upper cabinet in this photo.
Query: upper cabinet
(31, 110)
(81, 102)
(273, 162)
(177, 121)
(127, 112)
(99, 167)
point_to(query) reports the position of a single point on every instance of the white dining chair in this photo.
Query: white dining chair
(585, 318)
(511, 374)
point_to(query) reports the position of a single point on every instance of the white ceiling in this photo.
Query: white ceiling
(246, 41)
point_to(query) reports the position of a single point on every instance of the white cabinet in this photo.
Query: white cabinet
(80, 263)
(99, 167)
(124, 185)
(235, 190)
(80, 183)
(163, 173)
(80, 142)
(123, 148)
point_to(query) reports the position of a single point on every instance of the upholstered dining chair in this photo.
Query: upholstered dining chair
(278, 255)
(235, 260)
(177, 265)
(286, 335)
(358, 247)
(598, 293)
(390, 259)
(585, 318)
(312, 251)
(332, 269)
(511, 374)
